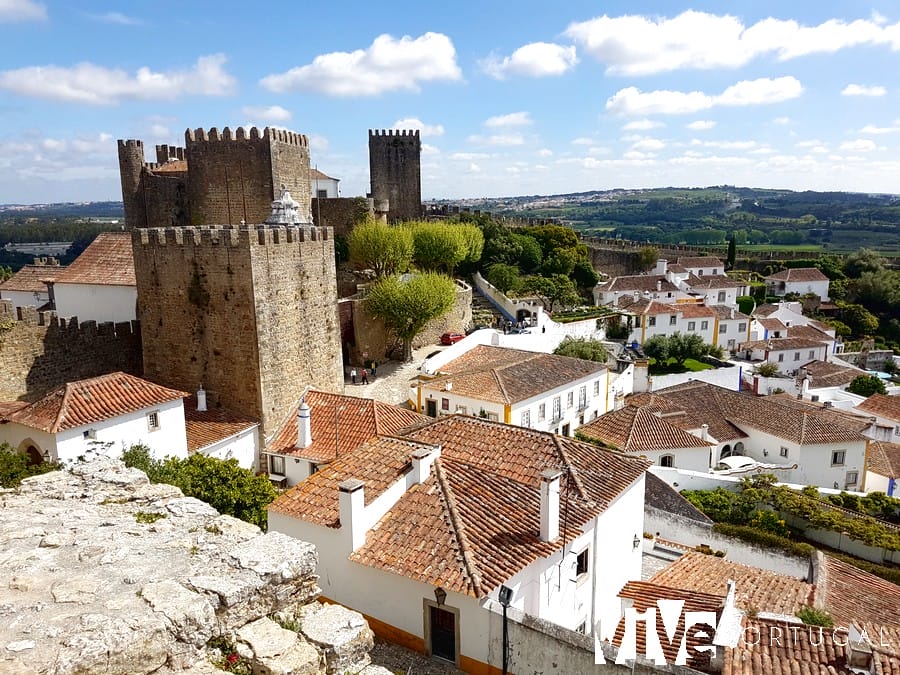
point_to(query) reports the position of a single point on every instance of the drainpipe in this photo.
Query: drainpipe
(596, 557)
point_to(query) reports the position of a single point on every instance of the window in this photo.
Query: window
(542, 411)
(780, 358)
(322, 194)
(89, 433)
(667, 460)
(581, 563)
(582, 397)
(704, 325)
(461, 409)
(852, 478)
(715, 270)
(796, 356)
(651, 321)
(812, 353)
(742, 327)
(837, 457)
(153, 421)
(493, 417)
(526, 418)
(445, 404)
(570, 399)
(276, 465)
(721, 296)
(692, 326)
(557, 412)
(582, 628)
(637, 322)
(596, 387)
(784, 451)
(673, 320)
(723, 328)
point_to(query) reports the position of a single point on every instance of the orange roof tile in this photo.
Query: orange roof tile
(853, 595)
(339, 424)
(827, 374)
(809, 332)
(699, 261)
(882, 405)
(783, 343)
(772, 324)
(316, 174)
(174, 166)
(712, 281)
(633, 429)
(799, 274)
(491, 374)
(884, 459)
(211, 425)
(93, 400)
(696, 311)
(756, 588)
(108, 260)
(641, 283)
(30, 279)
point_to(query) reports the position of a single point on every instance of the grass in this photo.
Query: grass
(689, 366)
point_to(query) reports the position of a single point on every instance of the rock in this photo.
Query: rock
(266, 638)
(301, 659)
(81, 590)
(191, 616)
(341, 633)
(20, 646)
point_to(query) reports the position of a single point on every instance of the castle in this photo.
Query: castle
(394, 172)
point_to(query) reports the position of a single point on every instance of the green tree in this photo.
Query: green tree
(380, 247)
(584, 275)
(560, 261)
(15, 466)
(504, 277)
(222, 484)
(529, 255)
(647, 257)
(407, 305)
(767, 369)
(588, 349)
(861, 261)
(732, 253)
(877, 291)
(5, 272)
(860, 320)
(866, 385)
(840, 328)
(558, 290)
(439, 246)
(657, 348)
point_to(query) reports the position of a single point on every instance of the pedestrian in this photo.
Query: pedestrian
(374, 367)
(353, 375)
(365, 376)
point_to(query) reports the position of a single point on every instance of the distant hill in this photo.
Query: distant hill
(64, 210)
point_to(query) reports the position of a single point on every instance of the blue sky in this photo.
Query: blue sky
(512, 98)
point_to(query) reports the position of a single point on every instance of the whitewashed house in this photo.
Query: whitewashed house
(788, 353)
(103, 415)
(799, 280)
(100, 284)
(531, 389)
(220, 433)
(28, 286)
(322, 186)
(651, 318)
(883, 468)
(886, 412)
(420, 532)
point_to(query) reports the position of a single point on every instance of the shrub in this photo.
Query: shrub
(815, 617)
(754, 536)
(15, 466)
(767, 369)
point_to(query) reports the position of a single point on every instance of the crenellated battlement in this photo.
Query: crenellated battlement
(233, 236)
(409, 133)
(30, 316)
(131, 143)
(201, 135)
(168, 153)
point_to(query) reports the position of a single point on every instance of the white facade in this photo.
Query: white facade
(732, 332)
(25, 298)
(323, 186)
(789, 360)
(782, 288)
(647, 325)
(108, 437)
(689, 459)
(96, 302)
(242, 446)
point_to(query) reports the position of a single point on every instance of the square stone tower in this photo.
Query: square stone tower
(395, 172)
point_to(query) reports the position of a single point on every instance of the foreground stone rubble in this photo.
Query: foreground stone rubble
(102, 572)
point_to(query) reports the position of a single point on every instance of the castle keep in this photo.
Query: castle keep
(248, 311)
(395, 173)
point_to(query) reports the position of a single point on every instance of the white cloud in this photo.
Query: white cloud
(116, 18)
(726, 145)
(428, 149)
(632, 101)
(642, 45)
(416, 123)
(497, 139)
(648, 144)
(872, 130)
(701, 125)
(98, 85)
(272, 113)
(863, 90)
(318, 143)
(21, 10)
(812, 143)
(516, 119)
(781, 121)
(388, 64)
(469, 156)
(545, 152)
(582, 140)
(159, 130)
(859, 145)
(473, 168)
(538, 59)
(642, 125)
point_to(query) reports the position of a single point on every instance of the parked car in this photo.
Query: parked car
(451, 338)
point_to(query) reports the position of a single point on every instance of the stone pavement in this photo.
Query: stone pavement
(391, 384)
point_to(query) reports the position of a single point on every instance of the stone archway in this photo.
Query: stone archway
(30, 448)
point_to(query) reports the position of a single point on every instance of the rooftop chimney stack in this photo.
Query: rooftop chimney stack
(422, 460)
(704, 432)
(201, 399)
(304, 429)
(658, 285)
(550, 504)
(352, 504)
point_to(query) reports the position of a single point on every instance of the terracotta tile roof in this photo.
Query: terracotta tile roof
(756, 589)
(772, 324)
(633, 429)
(796, 649)
(781, 344)
(726, 412)
(713, 281)
(644, 594)
(729, 313)
(676, 268)
(884, 459)
(647, 307)
(689, 311)
(660, 495)
(212, 425)
(853, 595)
(476, 520)
(7, 407)
(639, 282)
(493, 375)
(340, 424)
(108, 261)
(316, 174)
(764, 309)
(826, 374)
(821, 325)
(175, 166)
(93, 400)
(809, 333)
(799, 274)
(30, 279)
(882, 405)
(700, 261)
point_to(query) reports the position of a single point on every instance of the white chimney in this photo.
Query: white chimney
(659, 285)
(352, 505)
(422, 459)
(449, 386)
(201, 399)
(550, 504)
(704, 432)
(304, 430)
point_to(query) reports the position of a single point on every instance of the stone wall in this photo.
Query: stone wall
(39, 351)
(341, 213)
(249, 313)
(105, 573)
(395, 173)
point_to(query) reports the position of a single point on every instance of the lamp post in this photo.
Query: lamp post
(506, 594)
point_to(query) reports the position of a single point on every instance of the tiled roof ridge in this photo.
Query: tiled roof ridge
(632, 428)
(499, 380)
(67, 389)
(458, 528)
(571, 472)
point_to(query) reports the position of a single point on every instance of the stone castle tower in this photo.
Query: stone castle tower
(395, 172)
(248, 311)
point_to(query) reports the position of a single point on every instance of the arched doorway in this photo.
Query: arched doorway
(726, 451)
(32, 450)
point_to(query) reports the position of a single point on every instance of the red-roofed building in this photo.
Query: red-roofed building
(799, 280)
(883, 468)
(28, 286)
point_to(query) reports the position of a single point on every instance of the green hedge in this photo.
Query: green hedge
(754, 536)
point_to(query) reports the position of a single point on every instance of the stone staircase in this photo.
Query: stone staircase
(484, 313)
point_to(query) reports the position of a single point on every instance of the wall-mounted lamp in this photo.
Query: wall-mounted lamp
(505, 595)
(765, 453)
(296, 460)
(635, 542)
(440, 595)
